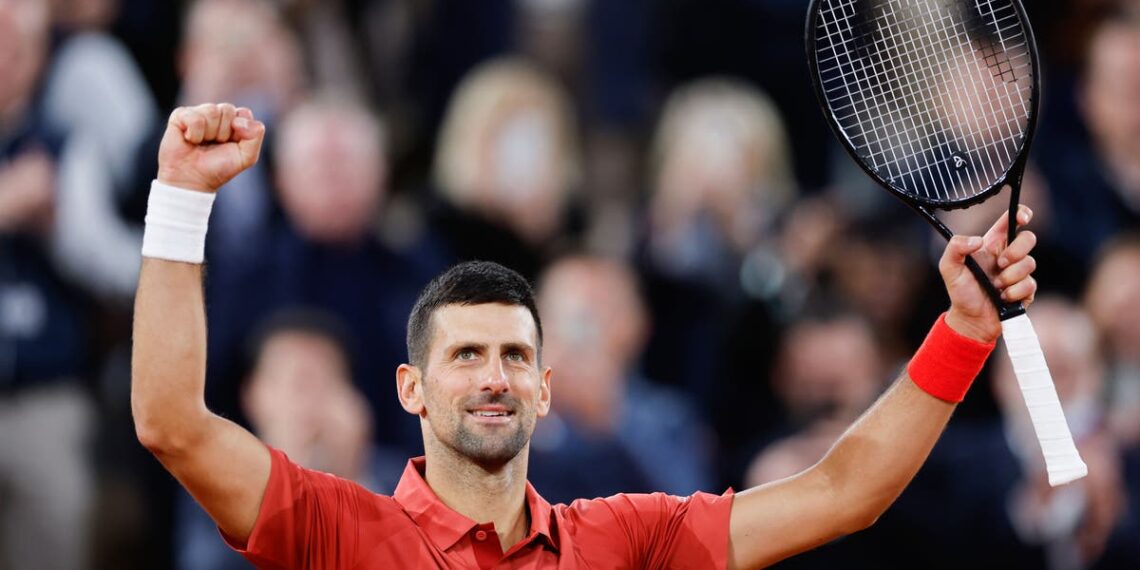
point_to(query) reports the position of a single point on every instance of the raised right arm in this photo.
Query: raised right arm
(221, 464)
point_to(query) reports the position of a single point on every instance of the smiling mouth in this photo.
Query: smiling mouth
(491, 416)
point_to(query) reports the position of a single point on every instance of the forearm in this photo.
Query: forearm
(169, 355)
(880, 453)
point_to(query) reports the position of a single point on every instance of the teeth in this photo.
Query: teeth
(489, 414)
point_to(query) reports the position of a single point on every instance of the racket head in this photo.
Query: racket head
(936, 100)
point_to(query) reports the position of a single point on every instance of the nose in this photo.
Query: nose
(495, 380)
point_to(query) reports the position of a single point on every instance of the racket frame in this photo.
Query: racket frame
(1012, 176)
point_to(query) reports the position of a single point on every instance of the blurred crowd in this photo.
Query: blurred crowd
(722, 290)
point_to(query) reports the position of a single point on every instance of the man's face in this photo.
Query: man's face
(331, 176)
(837, 387)
(1111, 89)
(482, 387)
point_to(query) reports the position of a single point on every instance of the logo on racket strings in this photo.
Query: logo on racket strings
(959, 161)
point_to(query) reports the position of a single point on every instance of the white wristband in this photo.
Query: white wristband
(176, 222)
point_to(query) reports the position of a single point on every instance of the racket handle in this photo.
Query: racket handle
(1062, 462)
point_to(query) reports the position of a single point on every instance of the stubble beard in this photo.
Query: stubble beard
(497, 447)
(490, 451)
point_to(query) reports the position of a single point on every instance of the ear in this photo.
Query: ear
(543, 407)
(409, 388)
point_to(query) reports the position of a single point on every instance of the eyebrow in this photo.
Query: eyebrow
(462, 345)
(519, 346)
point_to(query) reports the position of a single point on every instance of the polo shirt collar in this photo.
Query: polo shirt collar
(444, 526)
(540, 517)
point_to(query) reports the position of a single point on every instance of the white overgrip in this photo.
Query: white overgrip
(1062, 461)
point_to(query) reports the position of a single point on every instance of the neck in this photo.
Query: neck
(496, 495)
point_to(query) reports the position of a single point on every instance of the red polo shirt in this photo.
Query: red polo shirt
(310, 519)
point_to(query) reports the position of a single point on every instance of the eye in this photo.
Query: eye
(465, 354)
(516, 356)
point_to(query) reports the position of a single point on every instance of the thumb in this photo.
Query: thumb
(954, 257)
(250, 135)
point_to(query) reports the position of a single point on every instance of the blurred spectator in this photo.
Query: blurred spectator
(721, 177)
(299, 398)
(610, 430)
(1111, 299)
(300, 395)
(759, 40)
(46, 417)
(1111, 82)
(331, 172)
(507, 165)
(324, 29)
(95, 94)
(829, 372)
(240, 51)
(1097, 182)
(880, 268)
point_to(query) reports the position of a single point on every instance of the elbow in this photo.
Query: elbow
(154, 437)
(150, 438)
(868, 507)
(862, 520)
(162, 442)
(164, 434)
(862, 504)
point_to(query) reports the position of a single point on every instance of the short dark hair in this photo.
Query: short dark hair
(468, 283)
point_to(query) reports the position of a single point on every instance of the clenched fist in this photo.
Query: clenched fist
(207, 145)
(1009, 266)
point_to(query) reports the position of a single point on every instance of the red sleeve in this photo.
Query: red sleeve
(308, 519)
(659, 530)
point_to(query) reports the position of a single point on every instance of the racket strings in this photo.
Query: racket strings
(933, 96)
(964, 88)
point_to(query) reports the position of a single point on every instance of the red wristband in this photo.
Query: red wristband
(947, 362)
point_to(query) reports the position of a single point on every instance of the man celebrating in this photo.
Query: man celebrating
(476, 381)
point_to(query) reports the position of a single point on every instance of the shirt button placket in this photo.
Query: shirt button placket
(487, 552)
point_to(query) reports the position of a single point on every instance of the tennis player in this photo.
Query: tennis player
(476, 381)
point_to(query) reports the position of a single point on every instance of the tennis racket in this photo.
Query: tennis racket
(937, 101)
